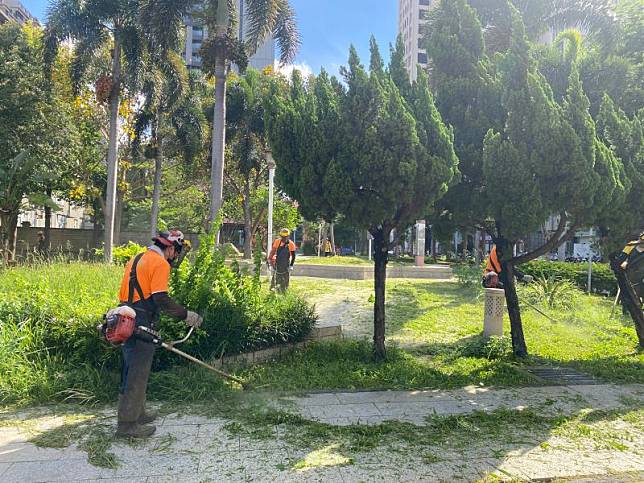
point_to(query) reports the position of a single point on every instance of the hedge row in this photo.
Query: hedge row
(603, 279)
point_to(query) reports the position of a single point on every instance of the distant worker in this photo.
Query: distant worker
(144, 288)
(631, 251)
(282, 259)
(492, 272)
(42, 244)
(328, 247)
(631, 261)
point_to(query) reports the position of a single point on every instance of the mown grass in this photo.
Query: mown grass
(250, 417)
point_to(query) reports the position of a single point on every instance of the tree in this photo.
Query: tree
(560, 167)
(468, 96)
(263, 17)
(39, 136)
(382, 156)
(625, 136)
(124, 25)
(246, 169)
(536, 158)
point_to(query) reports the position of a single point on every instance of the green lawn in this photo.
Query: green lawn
(433, 329)
(433, 338)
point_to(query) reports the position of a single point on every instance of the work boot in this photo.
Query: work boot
(147, 417)
(134, 430)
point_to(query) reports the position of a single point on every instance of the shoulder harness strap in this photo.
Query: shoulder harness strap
(134, 281)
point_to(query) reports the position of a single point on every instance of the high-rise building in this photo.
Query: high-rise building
(14, 11)
(197, 33)
(412, 16)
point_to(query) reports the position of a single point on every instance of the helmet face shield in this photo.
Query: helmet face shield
(173, 238)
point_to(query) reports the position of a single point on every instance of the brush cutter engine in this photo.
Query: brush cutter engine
(118, 325)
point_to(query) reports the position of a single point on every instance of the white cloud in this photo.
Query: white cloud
(287, 69)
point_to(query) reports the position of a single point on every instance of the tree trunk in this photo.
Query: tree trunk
(9, 234)
(118, 217)
(112, 151)
(381, 257)
(47, 231)
(320, 239)
(158, 167)
(218, 137)
(630, 300)
(332, 232)
(512, 300)
(248, 228)
(477, 247)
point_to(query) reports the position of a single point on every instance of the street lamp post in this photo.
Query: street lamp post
(271, 176)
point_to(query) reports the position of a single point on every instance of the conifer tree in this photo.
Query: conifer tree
(376, 152)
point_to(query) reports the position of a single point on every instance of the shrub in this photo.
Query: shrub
(123, 253)
(239, 315)
(552, 292)
(603, 280)
(467, 275)
(50, 348)
(308, 248)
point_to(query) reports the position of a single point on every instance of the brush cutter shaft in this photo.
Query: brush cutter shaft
(154, 338)
(201, 363)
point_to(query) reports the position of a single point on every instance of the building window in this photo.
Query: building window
(422, 58)
(422, 14)
(424, 2)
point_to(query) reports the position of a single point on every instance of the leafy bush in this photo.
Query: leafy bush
(308, 248)
(467, 275)
(50, 348)
(123, 253)
(239, 315)
(603, 279)
(498, 347)
(491, 348)
(552, 292)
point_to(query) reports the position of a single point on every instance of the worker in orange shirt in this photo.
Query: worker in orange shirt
(282, 259)
(144, 288)
(492, 272)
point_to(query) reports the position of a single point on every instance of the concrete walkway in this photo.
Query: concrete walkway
(374, 407)
(200, 449)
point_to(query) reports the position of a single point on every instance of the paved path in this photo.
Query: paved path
(201, 449)
(374, 407)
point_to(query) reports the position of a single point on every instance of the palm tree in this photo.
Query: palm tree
(589, 16)
(172, 113)
(264, 17)
(127, 27)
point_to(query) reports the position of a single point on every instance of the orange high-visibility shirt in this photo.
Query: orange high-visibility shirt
(492, 263)
(152, 272)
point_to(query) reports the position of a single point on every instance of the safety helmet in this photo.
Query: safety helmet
(285, 232)
(170, 238)
(491, 280)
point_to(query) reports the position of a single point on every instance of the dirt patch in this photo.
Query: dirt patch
(351, 309)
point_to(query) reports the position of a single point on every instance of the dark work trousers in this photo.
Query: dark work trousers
(137, 363)
(281, 278)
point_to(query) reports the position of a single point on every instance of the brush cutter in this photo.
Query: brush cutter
(153, 337)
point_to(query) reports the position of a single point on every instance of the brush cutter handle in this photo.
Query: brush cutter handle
(181, 341)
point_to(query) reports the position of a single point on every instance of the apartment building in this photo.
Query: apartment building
(196, 33)
(14, 11)
(412, 17)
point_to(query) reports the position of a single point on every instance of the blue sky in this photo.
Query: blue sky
(328, 27)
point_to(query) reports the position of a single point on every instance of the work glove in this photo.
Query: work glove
(193, 319)
(290, 269)
(528, 279)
